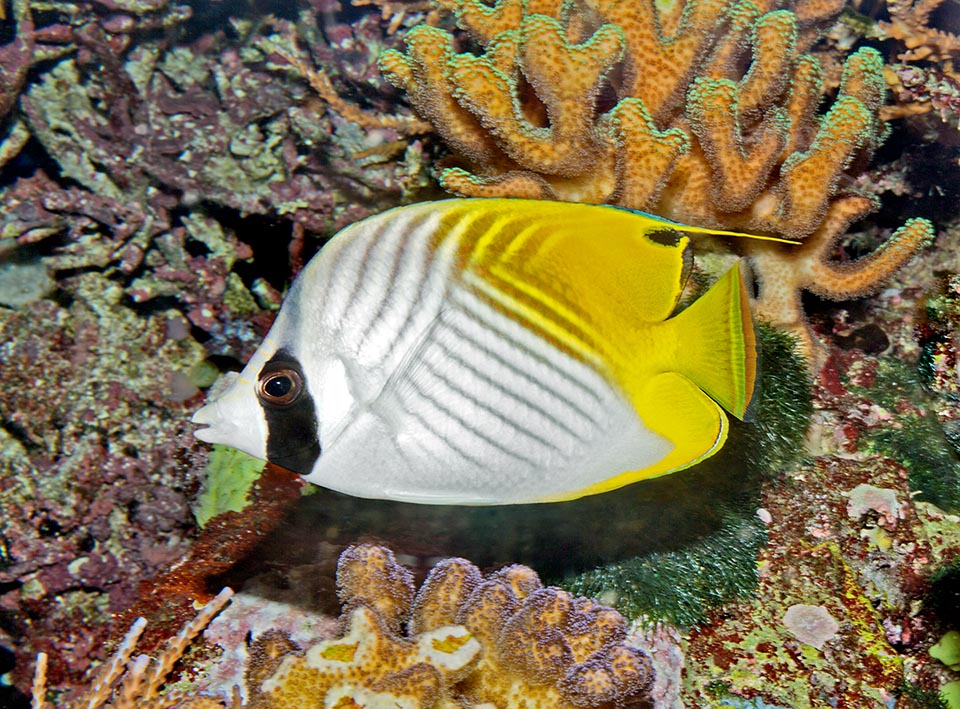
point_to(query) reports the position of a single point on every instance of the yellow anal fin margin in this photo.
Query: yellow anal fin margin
(675, 408)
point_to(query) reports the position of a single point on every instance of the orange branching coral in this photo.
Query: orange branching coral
(504, 640)
(910, 24)
(714, 122)
(128, 682)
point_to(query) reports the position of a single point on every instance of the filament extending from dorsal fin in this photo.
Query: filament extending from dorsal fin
(739, 234)
(670, 225)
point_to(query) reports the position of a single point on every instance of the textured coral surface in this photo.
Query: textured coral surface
(850, 560)
(715, 123)
(463, 640)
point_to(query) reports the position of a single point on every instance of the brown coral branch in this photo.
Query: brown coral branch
(168, 599)
(133, 693)
(842, 281)
(320, 83)
(805, 196)
(910, 24)
(526, 185)
(810, 267)
(657, 66)
(484, 22)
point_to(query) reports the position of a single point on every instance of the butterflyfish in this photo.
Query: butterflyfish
(494, 351)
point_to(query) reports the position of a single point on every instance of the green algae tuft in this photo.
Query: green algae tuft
(230, 474)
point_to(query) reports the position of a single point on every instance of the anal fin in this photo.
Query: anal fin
(677, 409)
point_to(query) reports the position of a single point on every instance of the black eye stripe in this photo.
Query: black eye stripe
(292, 437)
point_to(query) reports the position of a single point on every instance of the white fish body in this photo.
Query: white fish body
(432, 373)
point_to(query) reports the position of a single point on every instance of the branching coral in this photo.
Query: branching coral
(146, 132)
(910, 23)
(33, 44)
(927, 79)
(503, 640)
(692, 135)
(127, 682)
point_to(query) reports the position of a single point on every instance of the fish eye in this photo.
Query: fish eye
(279, 387)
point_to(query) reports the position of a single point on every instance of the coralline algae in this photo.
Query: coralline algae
(22, 283)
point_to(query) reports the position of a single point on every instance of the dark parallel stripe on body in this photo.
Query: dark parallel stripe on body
(376, 243)
(474, 226)
(442, 232)
(511, 292)
(388, 298)
(428, 427)
(467, 337)
(585, 388)
(514, 425)
(467, 427)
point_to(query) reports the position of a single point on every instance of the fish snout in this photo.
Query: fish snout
(210, 416)
(235, 419)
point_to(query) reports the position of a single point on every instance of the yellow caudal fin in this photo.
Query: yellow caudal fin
(718, 345)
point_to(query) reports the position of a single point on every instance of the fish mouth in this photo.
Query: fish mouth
(209, 416)
(217, 426)
(233, 417)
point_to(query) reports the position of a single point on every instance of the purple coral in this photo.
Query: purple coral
(577, 644)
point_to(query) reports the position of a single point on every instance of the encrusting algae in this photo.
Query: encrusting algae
(691, 134)
(464, 639)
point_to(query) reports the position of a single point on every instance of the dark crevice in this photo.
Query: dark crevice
(19, 433)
